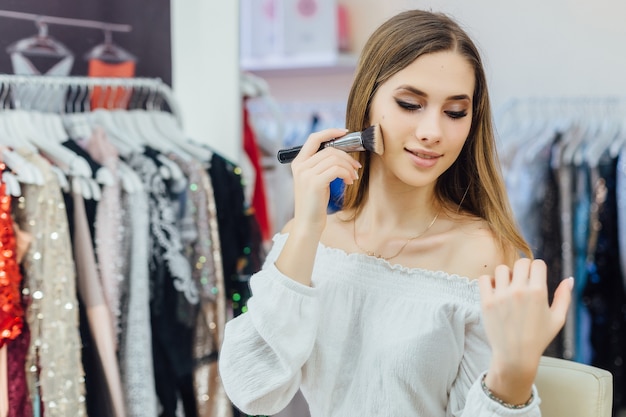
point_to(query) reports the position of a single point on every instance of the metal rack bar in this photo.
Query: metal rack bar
(92, 24)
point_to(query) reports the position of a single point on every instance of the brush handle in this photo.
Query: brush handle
(350, 142)
(287, 155)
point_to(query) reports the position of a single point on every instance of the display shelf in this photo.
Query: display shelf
(300, 65)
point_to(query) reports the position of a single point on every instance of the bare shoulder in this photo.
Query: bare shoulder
(474, 247)
(287, 227)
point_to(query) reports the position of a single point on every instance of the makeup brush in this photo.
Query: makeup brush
(369, 139)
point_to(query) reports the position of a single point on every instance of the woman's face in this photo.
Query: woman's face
(425, 114)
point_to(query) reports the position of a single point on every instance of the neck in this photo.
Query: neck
(390, 209)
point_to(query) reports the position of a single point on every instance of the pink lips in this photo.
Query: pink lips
(423, 158)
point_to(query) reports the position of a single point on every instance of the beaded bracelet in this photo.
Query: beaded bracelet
(492, 396)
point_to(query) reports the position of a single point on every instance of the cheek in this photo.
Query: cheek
(459, 132)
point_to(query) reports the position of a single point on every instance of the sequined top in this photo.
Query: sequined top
(366, 339)
(12, 312)
(54, 357)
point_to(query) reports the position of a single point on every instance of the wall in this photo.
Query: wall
(205, 71)
(532, 48)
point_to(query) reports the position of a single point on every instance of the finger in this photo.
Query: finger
(334, 162)
(521, 272)
(562, 300)
(347, 174)
(313, 142)
(502, 276)
(340, 154)
(538, 274)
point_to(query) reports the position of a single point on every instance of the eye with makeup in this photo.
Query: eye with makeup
(406, 105)
(413, 106)
(456, 114)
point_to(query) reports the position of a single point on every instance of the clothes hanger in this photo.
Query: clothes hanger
(26, 172)
(619, 142)
(12, 185)
(54, 130)
(109, 51)
(135, 123)
(61, 177)
(126, 142)
(601, 145)
(521, 123)
(603, 131)
(41, 45)
(586, 125)
(166, 124)
(142, 123)
(22, 126)
(130, 181)
(557, 120)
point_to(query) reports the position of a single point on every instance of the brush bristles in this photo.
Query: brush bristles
(372, 139)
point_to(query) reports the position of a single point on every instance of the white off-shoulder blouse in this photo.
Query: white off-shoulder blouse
(368, 338)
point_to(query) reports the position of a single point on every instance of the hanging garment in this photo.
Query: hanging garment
(259, 202)
(174, 295)
(18, 394)
(108, 224)
(549, 246)
(582, 208)
(242, 251)
(36, 97)
(12, 311)
(13, 332)
(604, 293)
(620, 185)
(97, 312)
(112, 97)
(526, 182)
(205, 253)
(57, 386)
(135, 347)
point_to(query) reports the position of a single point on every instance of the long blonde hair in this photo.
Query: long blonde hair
(473, 184)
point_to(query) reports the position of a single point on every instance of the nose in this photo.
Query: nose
(428, 127)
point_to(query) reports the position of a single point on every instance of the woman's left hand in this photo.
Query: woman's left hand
(520, 323)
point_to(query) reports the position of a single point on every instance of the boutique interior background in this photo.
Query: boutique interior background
(533, 48)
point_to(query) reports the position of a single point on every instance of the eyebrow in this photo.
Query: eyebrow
(423, 94)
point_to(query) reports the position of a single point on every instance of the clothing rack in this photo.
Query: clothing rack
(155, 86)
(560, 109)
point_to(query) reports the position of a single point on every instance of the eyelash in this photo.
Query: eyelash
(413, 107)
(456, 114)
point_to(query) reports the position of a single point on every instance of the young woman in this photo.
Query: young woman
(413, 300)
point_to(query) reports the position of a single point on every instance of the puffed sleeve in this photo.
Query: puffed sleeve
(265, 348)
(467, 398)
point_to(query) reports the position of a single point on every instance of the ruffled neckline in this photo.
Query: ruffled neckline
(405, 276)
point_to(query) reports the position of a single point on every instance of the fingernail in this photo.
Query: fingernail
(356, 174)
(570, 283)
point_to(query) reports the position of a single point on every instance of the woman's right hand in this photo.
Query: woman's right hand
(313, 172)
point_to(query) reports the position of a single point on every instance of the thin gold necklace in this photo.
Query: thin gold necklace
(388, 258)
